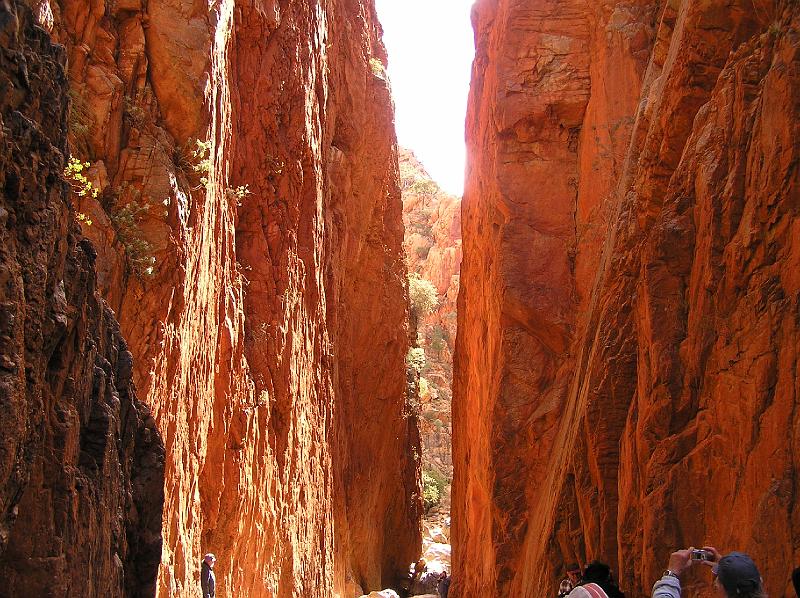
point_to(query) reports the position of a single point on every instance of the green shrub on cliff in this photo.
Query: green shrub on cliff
(376, 66)
(430, 491)
(424, 387)
(433, 485)
(78, 181)
(201, 156)
(423, 295)
(126, 218)
(415, 360)
(424, 187)
(439, 339)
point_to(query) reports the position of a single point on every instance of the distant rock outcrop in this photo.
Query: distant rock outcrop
(432, 221)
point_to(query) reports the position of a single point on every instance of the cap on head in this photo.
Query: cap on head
(209, 557)
(597, 572)
(736, 572)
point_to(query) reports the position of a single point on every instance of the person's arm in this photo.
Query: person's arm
(669, 586)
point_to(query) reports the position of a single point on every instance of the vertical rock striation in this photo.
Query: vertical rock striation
(81, 461)
(318, 248)
(626, 366)
(249, 236)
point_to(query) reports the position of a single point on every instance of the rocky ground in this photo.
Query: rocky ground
(436, 540)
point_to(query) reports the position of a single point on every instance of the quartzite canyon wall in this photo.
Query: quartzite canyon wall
(81, 461)
(626, 375)
(249, 238)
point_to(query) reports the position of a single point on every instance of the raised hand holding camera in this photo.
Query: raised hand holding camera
(680, 561)
(702, 555)
(713, 556)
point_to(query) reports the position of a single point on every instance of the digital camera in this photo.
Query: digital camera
(702, 555)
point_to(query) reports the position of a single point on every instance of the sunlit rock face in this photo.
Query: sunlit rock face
(81, 460)
(625, 376)
(249, 237)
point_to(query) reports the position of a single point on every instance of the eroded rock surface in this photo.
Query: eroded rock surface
(249, 236)
(626, 366)
(81, 460)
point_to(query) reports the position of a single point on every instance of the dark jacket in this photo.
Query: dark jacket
(444, 587)
(207, 581)
(600, 573)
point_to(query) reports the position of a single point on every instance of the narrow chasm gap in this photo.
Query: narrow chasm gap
(432, 219)
(430, 49)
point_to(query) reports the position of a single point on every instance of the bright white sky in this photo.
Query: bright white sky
(430, 45)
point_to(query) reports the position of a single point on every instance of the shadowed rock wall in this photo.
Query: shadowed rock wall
(626, 365)
(81, 461)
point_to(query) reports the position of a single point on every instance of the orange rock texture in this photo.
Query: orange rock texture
(249, 236)
(626, 365)
(81, 460)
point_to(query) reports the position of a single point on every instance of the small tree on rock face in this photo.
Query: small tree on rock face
(415, 359)
(430, 492)
(433, 485)
(424, 387)
(127, 218)
(423, 295)
(78, 181)
(439, 339)
(424, 187)
(376, 66)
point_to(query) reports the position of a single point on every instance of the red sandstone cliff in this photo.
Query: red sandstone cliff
(626, 366)
(81, 461)
(258, 276)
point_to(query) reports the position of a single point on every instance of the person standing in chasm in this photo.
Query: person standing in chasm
(207, 580)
